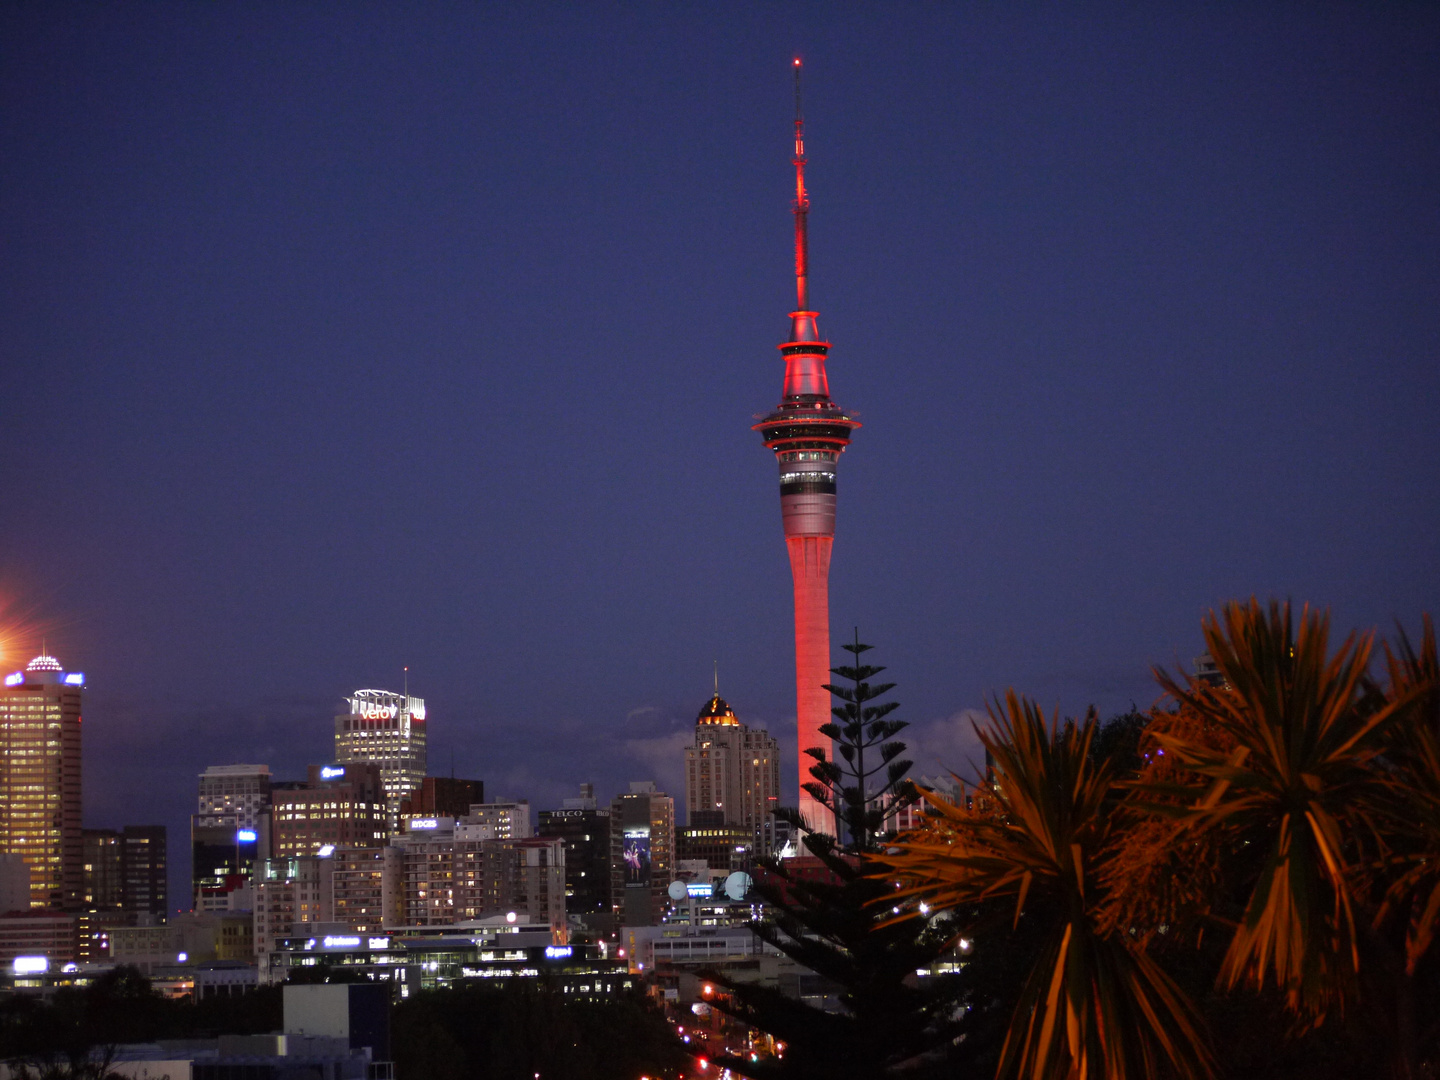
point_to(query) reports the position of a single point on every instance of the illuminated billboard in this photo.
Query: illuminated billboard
(637, 856)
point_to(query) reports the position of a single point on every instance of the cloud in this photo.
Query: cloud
(940, 747)
(662, 758)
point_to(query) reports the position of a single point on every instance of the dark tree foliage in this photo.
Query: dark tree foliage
(858, 792)
(120, 1007)
(473, 1032)
(825, 913)
(890, 1016)
(1118, 741)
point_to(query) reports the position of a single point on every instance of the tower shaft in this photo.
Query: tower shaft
(810, 569)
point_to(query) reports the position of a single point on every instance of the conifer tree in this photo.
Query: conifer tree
(851, 790)
(828, 917)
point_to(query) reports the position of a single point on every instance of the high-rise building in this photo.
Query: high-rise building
(427, 873)
(808, 432)
(223, 854)
(103, 888)
(585, 830)
(495, 877)
(125, 872)
(340, 806)
(40, 779)
(240, 791)
(367, 888)
(291, 895)
(731, 770)
(642, 853)
(144, 871)
(388, 730)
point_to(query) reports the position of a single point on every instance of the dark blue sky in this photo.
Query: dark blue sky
(337, 338)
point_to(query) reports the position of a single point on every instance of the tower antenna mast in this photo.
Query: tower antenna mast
(802, 203)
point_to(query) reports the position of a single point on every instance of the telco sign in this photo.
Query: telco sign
(246, 836)
(30, 965)
(75, 678)
(15, 678)
(331, 772)
(558, 952)
(340, 942)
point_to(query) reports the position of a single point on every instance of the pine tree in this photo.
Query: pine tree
(846, 789)
(828, 918)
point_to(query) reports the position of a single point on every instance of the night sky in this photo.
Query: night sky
(336, 338)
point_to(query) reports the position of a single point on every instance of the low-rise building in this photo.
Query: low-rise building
(489, 949)
(503, 820)
(38, 932)
(189, 939)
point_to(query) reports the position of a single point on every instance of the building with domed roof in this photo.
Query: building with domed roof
(40, 779)
(732, 774)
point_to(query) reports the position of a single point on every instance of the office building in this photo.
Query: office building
(238, 791)
(223, 855)
(709, 840)
(387, 730)
(125, 871)
(339, 806)
(38, 932)
(103, 879)
(808, 432)
(642, 852)
(40, 779)
(292, 896)
(191, 938)
(732, 771)
(144, 871)
(584, 829)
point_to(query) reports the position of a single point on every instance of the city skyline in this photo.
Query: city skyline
(339, 353)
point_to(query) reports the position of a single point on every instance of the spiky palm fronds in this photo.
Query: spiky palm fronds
(1093, 1005)
(1412, 869)
(1297, 788)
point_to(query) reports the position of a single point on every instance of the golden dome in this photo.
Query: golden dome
(717, 711)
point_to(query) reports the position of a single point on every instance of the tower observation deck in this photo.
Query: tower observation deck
(808, 432)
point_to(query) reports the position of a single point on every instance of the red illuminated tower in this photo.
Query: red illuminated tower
(808, 433)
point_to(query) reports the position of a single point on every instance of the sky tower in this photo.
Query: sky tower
(808, 433)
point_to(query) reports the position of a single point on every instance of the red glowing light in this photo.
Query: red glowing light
(797, 61)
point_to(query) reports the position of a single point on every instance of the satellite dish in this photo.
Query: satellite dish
(737, 885)
(677, 890)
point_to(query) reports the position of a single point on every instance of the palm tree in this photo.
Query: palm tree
(1037, 833)
(1291, 779)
